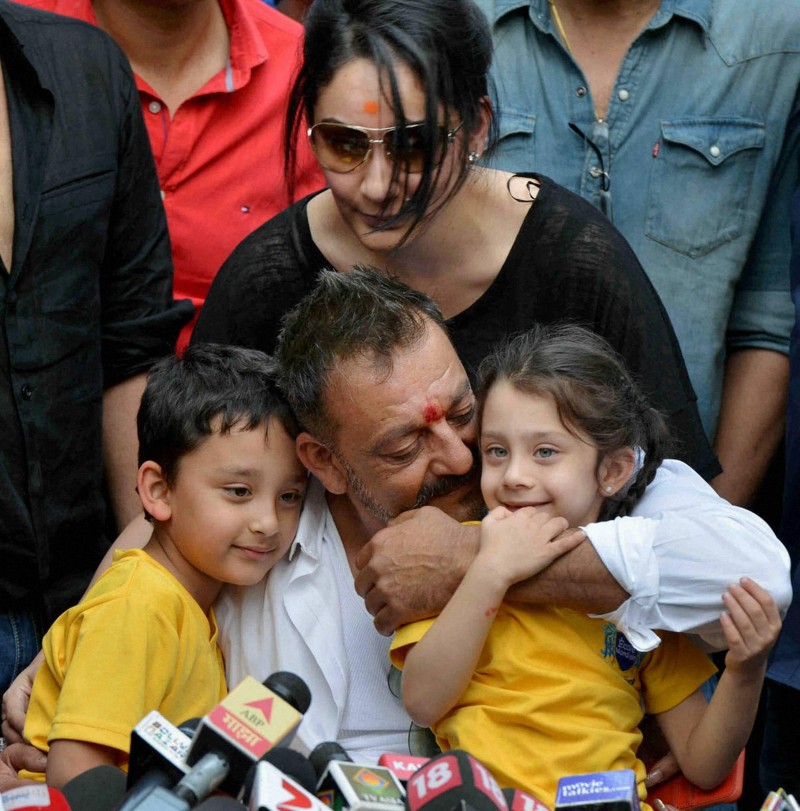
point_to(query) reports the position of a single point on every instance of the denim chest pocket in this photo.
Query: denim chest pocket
(515, 143)
(700, 182)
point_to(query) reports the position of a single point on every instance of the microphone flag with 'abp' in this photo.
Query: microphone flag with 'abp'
(250, 721)
(452, 779)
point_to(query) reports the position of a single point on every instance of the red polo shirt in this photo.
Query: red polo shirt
(220, 158)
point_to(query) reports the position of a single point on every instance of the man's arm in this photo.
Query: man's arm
(120, 447)
(410, 570)
(751, 420)
(664, 568)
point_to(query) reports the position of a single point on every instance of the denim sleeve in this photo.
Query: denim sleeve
(762, 315)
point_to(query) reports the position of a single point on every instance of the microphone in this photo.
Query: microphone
(250, 721)
(282, 782)
(402, 766)
(344, 784)
(33, 798)
(452, 779)
(98, 789)
(609, 791)
(518, 800)
(157, 745)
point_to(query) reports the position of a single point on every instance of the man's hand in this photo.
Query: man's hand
(15, 702)
(20, 756)
(410, 569)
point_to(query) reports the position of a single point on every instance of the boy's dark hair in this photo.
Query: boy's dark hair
(593, 392)
(361, 313)
(447, 44)
(186, 395)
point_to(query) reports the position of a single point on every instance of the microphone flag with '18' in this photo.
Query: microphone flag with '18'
(33, 798)
(250, 721)
(343, 784)
(454, 779)
(518, 800)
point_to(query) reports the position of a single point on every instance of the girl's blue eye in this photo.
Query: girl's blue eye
(545, 453)
(498, 453)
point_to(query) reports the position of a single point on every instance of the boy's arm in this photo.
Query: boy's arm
(706, 740)
(513, 546)
(68, 759)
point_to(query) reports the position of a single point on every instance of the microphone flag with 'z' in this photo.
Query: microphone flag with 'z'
(270, 788)
(250, 721)
(454, 780)
(359, 787)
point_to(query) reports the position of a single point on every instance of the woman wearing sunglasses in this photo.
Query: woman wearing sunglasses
(394, 98)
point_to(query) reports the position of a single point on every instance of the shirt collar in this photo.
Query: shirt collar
(697, 10)
(247, 46)
(311, 527)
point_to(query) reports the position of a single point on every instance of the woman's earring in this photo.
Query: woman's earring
(609, 488)
(473, 156)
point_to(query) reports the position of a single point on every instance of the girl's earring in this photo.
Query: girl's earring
(473, 156)
(609, 488)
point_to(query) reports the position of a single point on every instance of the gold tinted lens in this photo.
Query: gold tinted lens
(338, 147)
(411, 154)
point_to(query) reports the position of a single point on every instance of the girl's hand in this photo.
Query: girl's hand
(517, 545)
(751, 624)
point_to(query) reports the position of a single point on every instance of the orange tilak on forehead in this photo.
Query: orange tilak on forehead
(432, 413)
(371, 107)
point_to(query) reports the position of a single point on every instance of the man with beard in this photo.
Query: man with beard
(390, 427)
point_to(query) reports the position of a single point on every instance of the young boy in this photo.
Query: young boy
(221, 483)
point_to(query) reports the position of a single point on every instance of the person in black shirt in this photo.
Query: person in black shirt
(86, 308)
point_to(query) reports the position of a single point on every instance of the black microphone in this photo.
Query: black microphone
(454, 779)
(250, 721)
(361, 787)
(97, 789)
(158, 745)
(518, 800)
(283, 781)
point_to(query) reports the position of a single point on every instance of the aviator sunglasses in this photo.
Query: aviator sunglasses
(344, 147)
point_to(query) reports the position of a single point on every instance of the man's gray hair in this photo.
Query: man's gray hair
(362, 313)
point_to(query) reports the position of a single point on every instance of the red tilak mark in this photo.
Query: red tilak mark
(371, 107)
(489, 612)
(432, 413)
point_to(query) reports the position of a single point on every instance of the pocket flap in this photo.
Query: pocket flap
(716, 139)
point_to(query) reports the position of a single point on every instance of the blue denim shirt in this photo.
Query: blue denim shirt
(694, 161)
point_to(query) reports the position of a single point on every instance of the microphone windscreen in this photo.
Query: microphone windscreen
(35, 797)
(291, 688)
(454, 778)
(323, 753)
(294, 765)
(99, 789)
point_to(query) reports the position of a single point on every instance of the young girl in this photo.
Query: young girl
(536, 693)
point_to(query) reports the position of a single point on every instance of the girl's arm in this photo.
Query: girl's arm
(513, 546)
(707, 739)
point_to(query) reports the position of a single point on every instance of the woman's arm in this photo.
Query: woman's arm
(513, 546)
(707, 739)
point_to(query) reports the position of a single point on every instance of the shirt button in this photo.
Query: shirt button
(623, 95)
(163, 194)
(27, 392)
(714, 151)
(580, 92)
(154, 106)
